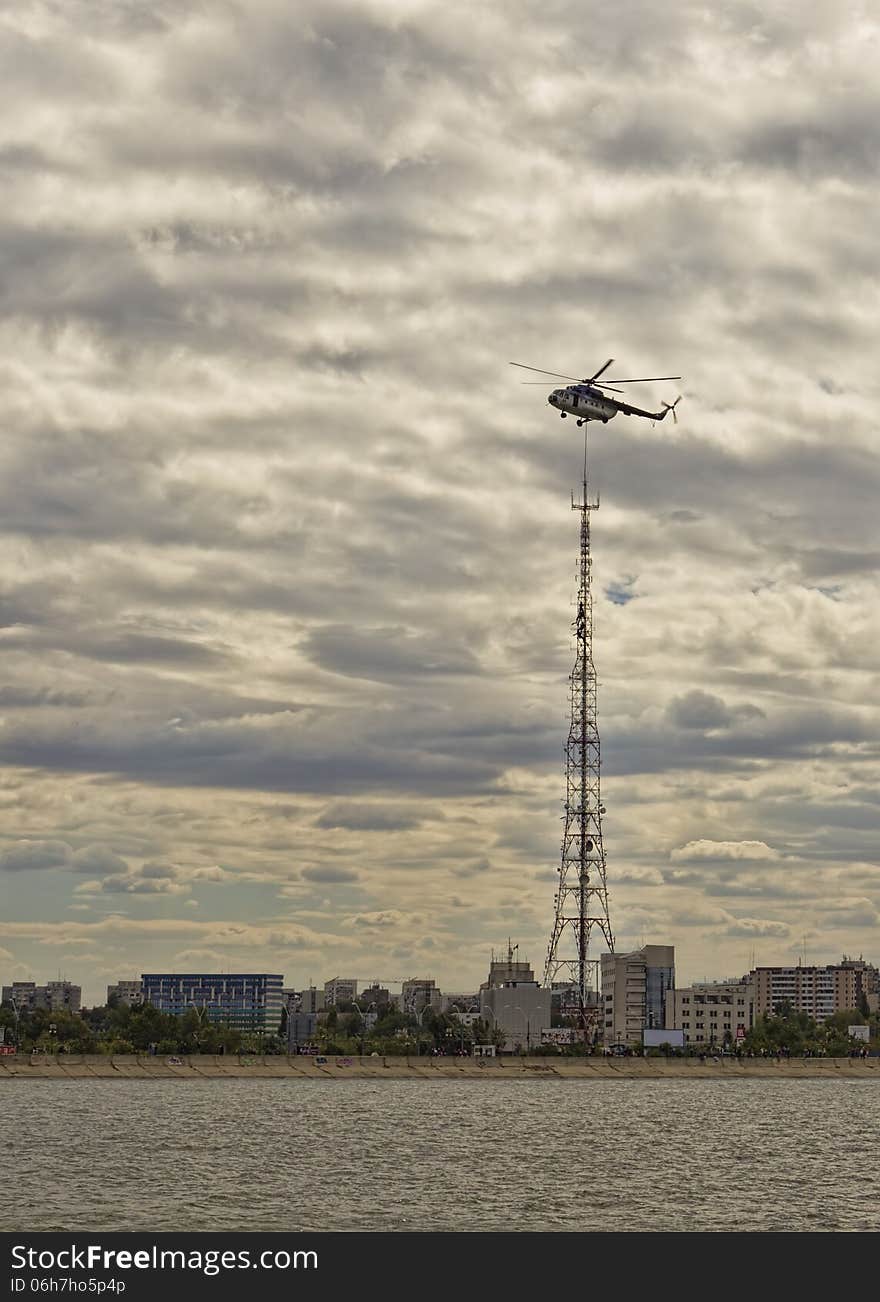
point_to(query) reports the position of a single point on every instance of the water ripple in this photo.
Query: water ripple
(664, 1155)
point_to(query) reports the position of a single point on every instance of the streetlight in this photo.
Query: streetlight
(419, 1015)
(17, 1015)
(356, 1005)
(517, 1008)
(196, 1033)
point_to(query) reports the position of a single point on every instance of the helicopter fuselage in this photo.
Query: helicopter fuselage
(583, 401)
(586, 402)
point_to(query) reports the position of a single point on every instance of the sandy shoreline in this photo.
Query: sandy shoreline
(208, 1067)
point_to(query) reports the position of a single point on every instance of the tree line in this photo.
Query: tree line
(119, 1029)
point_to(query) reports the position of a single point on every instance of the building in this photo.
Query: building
(712, 1012)
(311, 1000)
(512, 1000)
(465, 1019)
(816, 991)
(866, 983)
(508, 968)
(634, 990)
(129, 993)
(291, 999)
(809, 990)
(462, 1003)
(249, 1001)
(417, 994)
(375, 996)
(54, 996)
(341, 990)
(301, 1029)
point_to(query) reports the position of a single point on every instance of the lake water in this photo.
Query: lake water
(666, 1155)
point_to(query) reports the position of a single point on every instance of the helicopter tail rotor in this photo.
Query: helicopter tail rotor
(671, 406)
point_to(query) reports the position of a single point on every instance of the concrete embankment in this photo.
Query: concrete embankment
(209, 1067)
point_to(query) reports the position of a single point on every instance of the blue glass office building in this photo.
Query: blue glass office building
(248, 1001)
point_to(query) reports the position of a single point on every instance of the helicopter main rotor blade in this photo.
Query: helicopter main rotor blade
(600, 385)
(645, 379)
(599, 372)
(540, 372)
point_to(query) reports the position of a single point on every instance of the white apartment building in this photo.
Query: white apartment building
(712, 1012)
(810, 990)
(418, 993)
(338, 991)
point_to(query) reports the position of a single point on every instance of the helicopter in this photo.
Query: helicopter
(586, 399)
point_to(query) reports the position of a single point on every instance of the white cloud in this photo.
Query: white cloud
(704, 849)
(756, 927)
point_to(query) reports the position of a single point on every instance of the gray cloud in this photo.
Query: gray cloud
(472, 869)
(368, 818)
(24, 856)
(699, 710)
(329, 874)
(388, 654)
(98, 859)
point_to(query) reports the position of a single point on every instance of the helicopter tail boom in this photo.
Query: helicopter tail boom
(651, 415)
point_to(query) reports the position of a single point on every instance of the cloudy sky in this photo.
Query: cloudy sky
(288, 558)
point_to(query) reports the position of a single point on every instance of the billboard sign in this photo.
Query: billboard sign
(562, 1034)
(654, 1038)
(859, 1033)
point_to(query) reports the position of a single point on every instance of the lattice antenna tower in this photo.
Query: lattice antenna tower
(582, 897)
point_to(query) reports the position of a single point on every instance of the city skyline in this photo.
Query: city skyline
(288, 561)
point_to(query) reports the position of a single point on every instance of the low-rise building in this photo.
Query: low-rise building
(128, 993)
(464, 1019)
(712, 1012)
(512, 1000)
(301, 1029)
(463, 1003)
